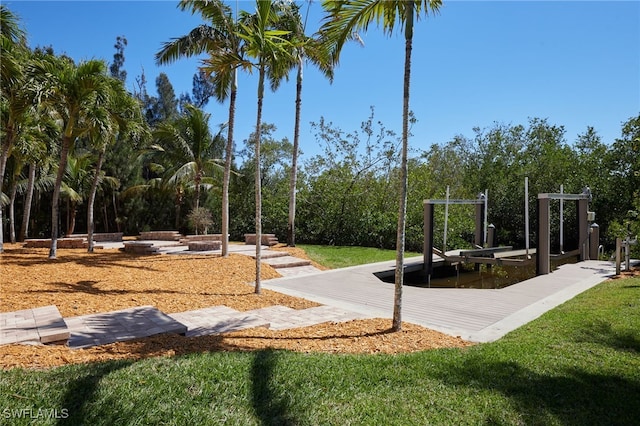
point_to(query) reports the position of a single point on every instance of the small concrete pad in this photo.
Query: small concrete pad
(38, 325)
(115, 326)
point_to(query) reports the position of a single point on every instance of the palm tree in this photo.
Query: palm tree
(75, 186)
(70, 91)
(15, 105)
(219, 39)
(344, 18)
(39, 159)
(190, 149)
(268, 47)
(123, 119)
(302, 48)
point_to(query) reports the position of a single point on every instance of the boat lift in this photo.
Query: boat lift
(588, 235)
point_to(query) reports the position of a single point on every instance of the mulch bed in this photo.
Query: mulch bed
(79, 283)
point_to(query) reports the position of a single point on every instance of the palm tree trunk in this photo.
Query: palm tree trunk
(68, 216)
(291, 232)
(73, 210)
(24, 229)
(115, 212)
(92, 199)
(259, 180)
(12, 210)
(55, 199)
(178, 208)
(402, 209)
(4, 155)
(227, 166)
(198, 180)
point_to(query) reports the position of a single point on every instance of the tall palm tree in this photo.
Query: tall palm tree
(121, 117)
(343, 19)
(268, 47)
(15, 104)
(219, 39)
(70, 91)
(303, 49)
(40, 158)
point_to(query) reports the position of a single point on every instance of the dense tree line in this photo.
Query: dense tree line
(137, 161)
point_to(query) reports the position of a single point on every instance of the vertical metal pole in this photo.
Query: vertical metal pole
(561, 220)
(594, 241)
(446, 219)
(627, 253)
(583, 228)
(428, 238)
(543, 264)
(526, 215)
(478, 239)
(486, 215)
(618, 260)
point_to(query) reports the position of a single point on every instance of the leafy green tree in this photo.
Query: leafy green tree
(343, 19)
(621, 202)
(345, 199)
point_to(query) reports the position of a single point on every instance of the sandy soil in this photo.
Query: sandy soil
(79, 283)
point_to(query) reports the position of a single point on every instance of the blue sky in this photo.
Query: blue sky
(576, 64)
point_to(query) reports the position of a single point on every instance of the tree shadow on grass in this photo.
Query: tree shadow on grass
(602, 333)
(569, 396)
(80, 393)
(271, 406)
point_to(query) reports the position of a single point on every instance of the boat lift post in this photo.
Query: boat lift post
(480, 226)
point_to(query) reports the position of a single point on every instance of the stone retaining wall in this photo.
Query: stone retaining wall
(62, 243)
(100, 236)
(160, 235)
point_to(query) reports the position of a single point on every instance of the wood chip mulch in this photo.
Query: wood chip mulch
(79, 283)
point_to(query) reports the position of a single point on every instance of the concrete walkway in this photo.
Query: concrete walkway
(480, 315)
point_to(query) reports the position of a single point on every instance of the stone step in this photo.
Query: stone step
(204, 245)
(298, 270)
(118, 326)
(38, 325)
(286, 262)
(266, 239)
(269, 254)
(208, 237)
(140, 247)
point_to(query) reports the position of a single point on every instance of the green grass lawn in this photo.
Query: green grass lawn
(578, 364)
(342, 256)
